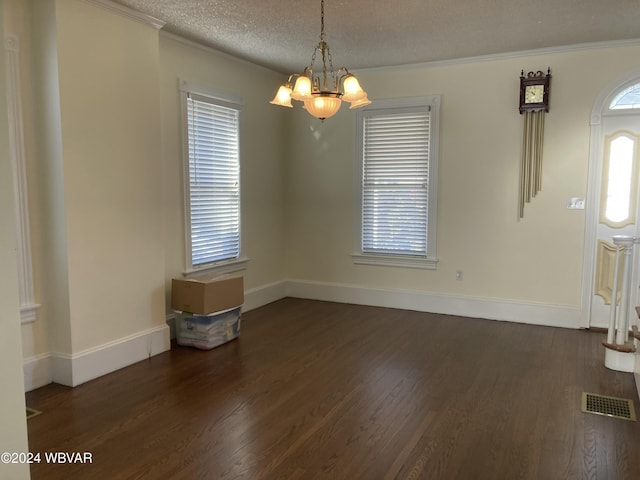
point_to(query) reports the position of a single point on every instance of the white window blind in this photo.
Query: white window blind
(395, 182)
(214, 180)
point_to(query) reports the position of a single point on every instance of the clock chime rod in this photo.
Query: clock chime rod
(531, 165)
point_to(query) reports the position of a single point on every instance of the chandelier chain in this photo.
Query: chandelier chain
(322, 21)
(326, 53)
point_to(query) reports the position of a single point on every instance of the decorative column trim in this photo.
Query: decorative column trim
(28, 305)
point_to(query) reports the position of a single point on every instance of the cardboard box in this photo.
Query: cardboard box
(204, 296)
(207, 331)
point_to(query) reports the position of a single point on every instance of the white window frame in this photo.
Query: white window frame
(224, 99)
(430, 260)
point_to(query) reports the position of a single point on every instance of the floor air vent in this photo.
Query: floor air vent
(32, 412)
(609, 406)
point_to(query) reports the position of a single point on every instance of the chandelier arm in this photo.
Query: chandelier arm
(342, 72)
(290, 79)
(325, 86)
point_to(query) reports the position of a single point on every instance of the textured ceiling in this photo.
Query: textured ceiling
(281, 34)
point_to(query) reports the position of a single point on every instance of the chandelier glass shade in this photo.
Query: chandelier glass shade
(322, 91)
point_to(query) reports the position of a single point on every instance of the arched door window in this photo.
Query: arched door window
(628, 98)
(620, 169)
(617, 207)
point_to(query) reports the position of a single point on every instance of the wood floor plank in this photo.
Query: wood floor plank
(319, 390)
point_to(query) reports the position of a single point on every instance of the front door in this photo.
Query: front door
(618, 209)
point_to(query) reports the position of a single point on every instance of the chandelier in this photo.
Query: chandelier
(322, 92)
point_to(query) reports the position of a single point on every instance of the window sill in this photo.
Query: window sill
(220, 268)
(426, 263)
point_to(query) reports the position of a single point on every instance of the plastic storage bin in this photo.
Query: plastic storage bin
(207, 331)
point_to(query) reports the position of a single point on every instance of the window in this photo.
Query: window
(618, 202)
(397, 180)
(212, 177)
(629, 98)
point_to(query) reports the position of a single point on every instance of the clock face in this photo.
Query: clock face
(534, 94)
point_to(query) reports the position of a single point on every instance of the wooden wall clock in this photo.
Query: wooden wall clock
(534, 103)
(534, 91)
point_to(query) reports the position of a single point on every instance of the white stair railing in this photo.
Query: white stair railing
(619, 352)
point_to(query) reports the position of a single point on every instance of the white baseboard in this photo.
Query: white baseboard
(474, 307)
(259, 296)
(73, 370)
(37, 371)
(253, 298)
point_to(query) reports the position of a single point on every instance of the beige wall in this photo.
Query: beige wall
(93, 146)
(13, 434)
(108, 73)
(43, 138)
(534, 260)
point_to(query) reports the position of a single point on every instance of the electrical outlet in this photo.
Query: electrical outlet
(459, 274)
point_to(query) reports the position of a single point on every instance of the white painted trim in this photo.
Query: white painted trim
(474, 307)
(28, 306)
(253, 298)
(508, 55)
(229, 100)
(78, 368)
(205, 48)
(73, 370)
(636, 370)
(129, 13)
(37, 371)
(28, 313)
(220, 268)
(596, 152)
(430, 103)
(407, 261)
(263, 295)
(434, 64)
(171, 322)
(619, 361)
(225, 98)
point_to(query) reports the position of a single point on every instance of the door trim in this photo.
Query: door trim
(596, 151)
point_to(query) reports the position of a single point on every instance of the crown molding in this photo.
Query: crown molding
(508, 55)
(200, 46)
(434, 64)
(129, 13)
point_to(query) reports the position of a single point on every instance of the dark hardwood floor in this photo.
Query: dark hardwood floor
(318, 390)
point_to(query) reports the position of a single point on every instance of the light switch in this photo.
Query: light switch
(575, 203)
